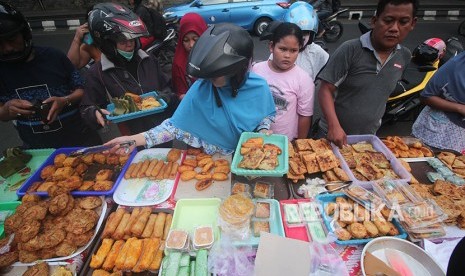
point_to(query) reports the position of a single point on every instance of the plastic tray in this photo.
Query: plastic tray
(279, 140)
(379, 146)
(219, 189)
(276, 225)
(145, 191)
(191, 213)
(50, 160)
(7, 206)
(297, 232)
(12, 183)
(137, 114)
(327, 220)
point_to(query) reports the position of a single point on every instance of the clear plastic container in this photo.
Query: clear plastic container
(420, 215)
(177, 240)
(309, 211)
(390, 192)
(292, 215)
(262, 210)
(362, 196)
(263, 190)
(240, 187)
(260, 225)
(203, 237)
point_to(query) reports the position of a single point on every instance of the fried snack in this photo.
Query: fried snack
(59, 159)
(342, 234)
(99, 258)
(193, 151)
(81, 168)
(204, 161)
(261, 190)
(221, 162)
(33, 187)
(330, 208)
(167, 170)
(371, 229)
(89, 202)
(382, 226)
(9, 258)
(100, 158)
(48, 171)
(118, 234)
(203, 176)
(159, 225)
(326, 160)
(149, 169)
(86, 185)
(173, 155)
(35, 212)
(174, 170)
(71, 161)
(202, 155)
(81, 221)
(136, 170)
(357, 230)
(138, 227)
(150, 248)
(222, 169)
(30, 198)
(219, 176)
(341, 174)
(45, 240)
(103, 185)
(148, 230)
(161, 174)
(12, 223)
(133, 254)
(120, 259)
(253, 142)
(203, 184)
(43, 187)
(143, 169)
(28, 231)
(184, 168)
(62, 173)
(134, 214)
(64, 249)
(157, 168)
(61, 204)
(157, 260)
(390, 144)
(79, 240)
(206, 168)
(426, 152)
(39, 269)
(112, 222)
(100, 272)
(393, 231)
(330, 176)
(112, 159)
(104, 174)
(111, 257)
(188, 175)
(24, 256)
(166, 230)
(88, 159)
(129, 171)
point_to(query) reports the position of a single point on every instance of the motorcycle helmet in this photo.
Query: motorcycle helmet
(222, 50)
(303, 15)
(110, 23)
(429, 51)
(11, 23)
(267, 34)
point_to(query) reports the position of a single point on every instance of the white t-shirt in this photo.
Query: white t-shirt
(293, 94)
(312, 59)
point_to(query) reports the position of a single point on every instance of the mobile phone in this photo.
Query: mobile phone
(87, 39)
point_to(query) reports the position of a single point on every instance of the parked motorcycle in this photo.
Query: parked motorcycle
(331, 28)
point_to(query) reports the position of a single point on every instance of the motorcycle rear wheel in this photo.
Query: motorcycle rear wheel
(333, 32)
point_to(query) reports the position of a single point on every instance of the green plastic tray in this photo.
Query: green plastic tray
(4, 206)
(278, 140)
(9, 185)
(191, 213)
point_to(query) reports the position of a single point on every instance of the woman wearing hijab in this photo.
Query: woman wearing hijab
(225, 101)
(191, 27)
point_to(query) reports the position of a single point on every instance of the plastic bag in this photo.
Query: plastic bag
(325, 261)
(226, 259)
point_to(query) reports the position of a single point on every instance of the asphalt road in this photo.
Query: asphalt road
(62, 38)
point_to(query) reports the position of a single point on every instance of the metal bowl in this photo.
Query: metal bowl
(417, 258)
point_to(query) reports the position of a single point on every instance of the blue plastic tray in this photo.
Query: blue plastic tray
(36, 176)
(327, 198)
(137, 114)
(278, 140)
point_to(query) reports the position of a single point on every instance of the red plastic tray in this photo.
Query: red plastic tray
(295, 232)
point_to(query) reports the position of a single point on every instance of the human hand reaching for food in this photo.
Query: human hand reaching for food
(265, 131)
(337, 136)
(125, 144)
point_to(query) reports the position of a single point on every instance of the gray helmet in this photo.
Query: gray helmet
(222, 50)
(12, 22)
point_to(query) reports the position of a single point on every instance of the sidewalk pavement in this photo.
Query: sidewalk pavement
(50, 20)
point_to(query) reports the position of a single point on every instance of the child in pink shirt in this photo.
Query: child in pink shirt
(291, 86)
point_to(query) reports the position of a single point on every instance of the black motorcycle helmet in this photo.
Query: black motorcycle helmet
(222, 50)
(424, 54)
(13, 22)
(269, 30)
(110, 23)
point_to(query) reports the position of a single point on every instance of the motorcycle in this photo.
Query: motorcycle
(331, 28)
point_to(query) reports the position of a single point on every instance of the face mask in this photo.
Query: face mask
(126, 55)
(306, 39)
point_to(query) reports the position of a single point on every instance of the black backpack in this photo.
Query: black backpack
(336, 5)
(155, 22)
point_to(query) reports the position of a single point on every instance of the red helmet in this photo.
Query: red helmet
(11, 23)
(110, 23)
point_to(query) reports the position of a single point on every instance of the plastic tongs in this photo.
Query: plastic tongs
(101, 148)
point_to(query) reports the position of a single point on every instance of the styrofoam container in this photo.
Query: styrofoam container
(379, 146)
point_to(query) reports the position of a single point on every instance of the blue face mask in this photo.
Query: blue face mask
(126, 55)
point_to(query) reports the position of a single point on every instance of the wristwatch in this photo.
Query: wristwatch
(68, 101)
